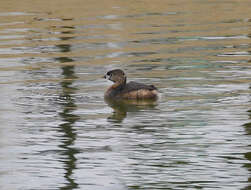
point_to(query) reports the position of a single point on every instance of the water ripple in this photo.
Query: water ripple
(57, 132)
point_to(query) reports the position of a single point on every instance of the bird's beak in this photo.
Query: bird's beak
(104, 77)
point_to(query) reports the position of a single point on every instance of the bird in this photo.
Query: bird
(132, 90)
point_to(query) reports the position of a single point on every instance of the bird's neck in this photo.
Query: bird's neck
(119, 85)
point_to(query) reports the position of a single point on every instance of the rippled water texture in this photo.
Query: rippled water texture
(57, 132)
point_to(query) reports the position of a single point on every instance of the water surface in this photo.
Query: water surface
(57, 132)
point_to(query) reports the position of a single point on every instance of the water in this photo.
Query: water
(57, 132)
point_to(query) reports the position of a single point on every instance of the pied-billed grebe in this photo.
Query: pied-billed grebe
(132, 90)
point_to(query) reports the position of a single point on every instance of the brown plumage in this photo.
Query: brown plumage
(132, 90)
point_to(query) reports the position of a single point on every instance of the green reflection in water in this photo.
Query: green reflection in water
(67, 129)
(247, 155)
(69, 133)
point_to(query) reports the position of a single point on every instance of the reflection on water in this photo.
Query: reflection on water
(57, 132)
(247, 155)
(121, 107)
(67, 128)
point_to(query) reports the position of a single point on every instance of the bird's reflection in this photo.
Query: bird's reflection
(122, 107)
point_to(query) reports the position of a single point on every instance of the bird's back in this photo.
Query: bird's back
(132, 86)
(135, 90)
